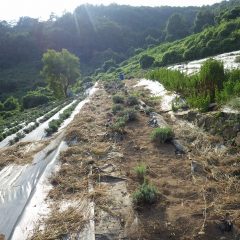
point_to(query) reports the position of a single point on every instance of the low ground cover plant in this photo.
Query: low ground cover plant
(162, 135)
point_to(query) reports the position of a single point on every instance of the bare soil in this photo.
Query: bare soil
(190, 205)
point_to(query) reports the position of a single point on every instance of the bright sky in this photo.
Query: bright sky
(13, 9)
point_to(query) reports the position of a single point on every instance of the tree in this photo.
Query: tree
(203, 19)
(211, 77)
(60, 70)
(176, 27)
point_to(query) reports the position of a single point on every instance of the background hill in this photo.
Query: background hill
(102, 36)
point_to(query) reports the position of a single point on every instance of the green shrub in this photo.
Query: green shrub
(130, 115)
(141, 171)
(117, 108)
(211, 77)
(11, 104)
(53, 127)
(132, 100)
(118, 99)
(34, 99)
(146, 61)
(200, 102)
(108, 64)
(119, 125)
(172, 57)
(145, 194)
(162, 135)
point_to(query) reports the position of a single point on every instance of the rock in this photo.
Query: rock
(237, 139)
(115, 155)
(191, 116)
(236, 127)
(226, 224)
(180, 149)
(157, 120)
(212, 106)
(197, 168)
(228, 133)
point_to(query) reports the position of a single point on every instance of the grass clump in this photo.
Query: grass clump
(117, 99)
(117, 108)
(162, 135)
(130, 115)
(119, 125)
(145, 194)
(141, 171)
(132, 101)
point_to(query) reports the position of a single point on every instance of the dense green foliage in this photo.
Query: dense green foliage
(34, 99)
(162, 135)
(13, 121)
(101, 36)
(146, 61)
(224, 37)
(56, 123)
(176, 28)
(141, 171)
(211, 84)
(60, 70)
(11, 104)
(203, 19)
(145, 194)
(211, 78)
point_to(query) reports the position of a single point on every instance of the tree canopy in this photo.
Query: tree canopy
(176, 27)
(60, 70)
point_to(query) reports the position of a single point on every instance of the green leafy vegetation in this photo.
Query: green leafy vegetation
(54, 125)
(141, 171)
(10, 104)
(34, 99)
(117, 108)
(60, 70)
(132, 100)
(220, 38)
(146, 61)
(162, 135)
(109, 37)
(212, 84)
(118, 99)
(14, 121)
(145, 194)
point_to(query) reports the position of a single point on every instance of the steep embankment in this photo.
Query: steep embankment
(98, 192)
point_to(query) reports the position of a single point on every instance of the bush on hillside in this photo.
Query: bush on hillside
(162, 135)
(172, 57)
(211, 77)
(132, 101)
(145, 194)
(146, 61)
(118, 99)
(109, 64)
(34, 99)
(11, 104)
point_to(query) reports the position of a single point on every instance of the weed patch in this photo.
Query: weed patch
(145, 194)
(162, 135)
